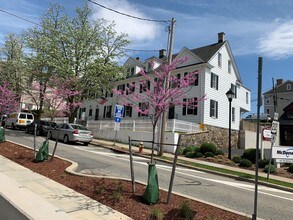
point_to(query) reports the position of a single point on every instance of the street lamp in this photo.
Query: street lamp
(230, 95)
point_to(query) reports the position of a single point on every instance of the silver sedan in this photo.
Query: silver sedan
(68, 132)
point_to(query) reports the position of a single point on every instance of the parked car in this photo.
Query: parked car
(2, 120)
(42, 127)
(262, 117)
(69, 132)
(19, 120)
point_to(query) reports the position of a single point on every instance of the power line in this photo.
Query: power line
(137, 50)
(128, 15)
(19, 17)
(14, 15)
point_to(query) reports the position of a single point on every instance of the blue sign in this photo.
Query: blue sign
(118, 114)
(117, 119)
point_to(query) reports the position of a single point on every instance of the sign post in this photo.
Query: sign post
(118, 115)
(265, 136)
(273, 139)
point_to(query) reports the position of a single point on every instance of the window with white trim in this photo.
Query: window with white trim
(219, 60)
(234, 89)
(289, 86)
(143, 106)
(213, 109)
(229, 66)
(107, 111)
(233, 114)
(128, 111)
(190, 107)
(214, 81)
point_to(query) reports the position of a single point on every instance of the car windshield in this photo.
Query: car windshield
(79, 127)
(22, 116)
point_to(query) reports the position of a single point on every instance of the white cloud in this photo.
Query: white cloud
(278, 43)
(137, 30)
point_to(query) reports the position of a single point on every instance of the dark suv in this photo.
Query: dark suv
(42, 127)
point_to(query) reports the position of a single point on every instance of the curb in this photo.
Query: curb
(201, 169)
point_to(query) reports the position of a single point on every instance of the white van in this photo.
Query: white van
(19, 120)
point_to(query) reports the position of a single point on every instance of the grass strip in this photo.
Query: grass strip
(230, 172)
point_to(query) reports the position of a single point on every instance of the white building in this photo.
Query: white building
(218, 74)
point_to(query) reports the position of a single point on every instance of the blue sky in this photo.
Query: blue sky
(253, 28)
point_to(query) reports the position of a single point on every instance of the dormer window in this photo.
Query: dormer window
(132, 71)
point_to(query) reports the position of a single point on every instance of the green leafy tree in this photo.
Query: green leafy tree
(76, 47)
(13, 65)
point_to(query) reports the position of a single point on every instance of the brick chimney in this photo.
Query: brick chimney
(162, 53)
(138, 58)
(221, 37)
(280, 81)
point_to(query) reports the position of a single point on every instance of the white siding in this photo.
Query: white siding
(204, 81)
(224, 84)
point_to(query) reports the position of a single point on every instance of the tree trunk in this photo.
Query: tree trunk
(153, 145)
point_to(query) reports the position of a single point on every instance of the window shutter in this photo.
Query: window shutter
(195, 107)
(212, 80)
(217, 81)
(110, 111)
(216, 109)
(139, 106)
(211, 108)
(104, 115)
(130, 111)
(184, 108)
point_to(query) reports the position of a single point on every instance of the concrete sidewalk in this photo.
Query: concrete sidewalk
(38, 197)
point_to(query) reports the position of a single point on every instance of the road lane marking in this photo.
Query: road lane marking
(248, 187)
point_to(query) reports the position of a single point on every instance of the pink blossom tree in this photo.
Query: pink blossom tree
(153, 97)
(9, 101)
(56, 99)
(55, 96)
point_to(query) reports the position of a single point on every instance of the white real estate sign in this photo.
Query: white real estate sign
(283, 154)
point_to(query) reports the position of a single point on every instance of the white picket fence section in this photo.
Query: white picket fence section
(173, 125)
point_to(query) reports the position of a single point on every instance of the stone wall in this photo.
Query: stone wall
(215, 135)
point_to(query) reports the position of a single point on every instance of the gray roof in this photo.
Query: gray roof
(206, 52)
(277, 87)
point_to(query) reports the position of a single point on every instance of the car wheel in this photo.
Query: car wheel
(38, 132)
(50, 135)
(86, 143)
(65, 139)
(12, 126)
(26, 130)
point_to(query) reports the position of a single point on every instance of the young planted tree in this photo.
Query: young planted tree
(152, 98)
(8, 100)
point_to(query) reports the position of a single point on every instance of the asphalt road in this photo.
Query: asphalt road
(226, 192)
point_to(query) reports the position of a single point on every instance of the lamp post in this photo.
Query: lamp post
(230, 95)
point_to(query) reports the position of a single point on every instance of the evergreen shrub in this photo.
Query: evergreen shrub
(245, 163)
(272, 169)
(249, 154)
(208, 147)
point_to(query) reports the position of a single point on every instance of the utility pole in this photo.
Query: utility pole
(164, 115)
(259, 103)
